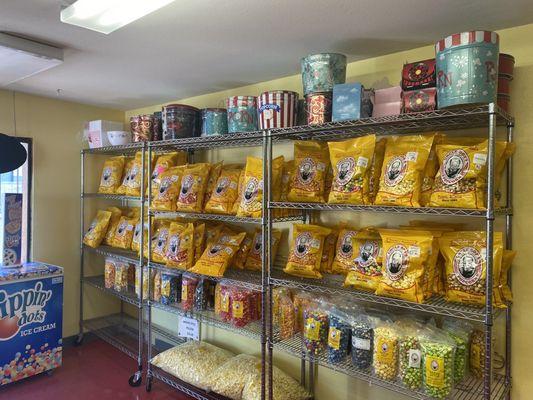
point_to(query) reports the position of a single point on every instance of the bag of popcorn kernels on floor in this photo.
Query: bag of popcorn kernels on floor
(405, 257)
(345, 250)
(350, 161)
(365, 272)
(97, 230)
(401, 175)
(371, 178)
(310, 163)
(179, 252)
(255, 255)
(224, 194)
(466, 265)
(125, 180)
(109, 237)
(305, 252)
(218, 256)
(193, 186)
(111, 175)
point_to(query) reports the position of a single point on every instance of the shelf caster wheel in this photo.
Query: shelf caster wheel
(136, 379)
(79, 340)
(149, 384)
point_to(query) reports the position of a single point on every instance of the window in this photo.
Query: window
(15, 211)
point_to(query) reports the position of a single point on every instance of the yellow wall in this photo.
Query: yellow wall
(381, 72)
(55, 127)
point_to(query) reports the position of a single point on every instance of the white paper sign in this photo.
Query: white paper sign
(189, 328)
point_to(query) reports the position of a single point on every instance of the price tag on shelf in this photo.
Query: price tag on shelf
(189, 328)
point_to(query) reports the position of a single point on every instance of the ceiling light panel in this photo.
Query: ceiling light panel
(106, 16)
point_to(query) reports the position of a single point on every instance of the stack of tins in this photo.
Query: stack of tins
(180, 121)
(277, 109)
(242, 113)
(320, 72)
(214, 121)
(418, 84)
(505, 76)
(142, 127)
(467, 68)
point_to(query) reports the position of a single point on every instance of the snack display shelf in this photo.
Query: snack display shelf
(237, 277)
(119, 254)
(469, 389)
(333, 285)
(184, 387)
(449, 119)
(457, 212)
(123, 149)
(221, 217)
(251, 330)
(110, 196)
(98, 282)
(208, 142)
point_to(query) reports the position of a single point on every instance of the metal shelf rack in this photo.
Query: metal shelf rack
(488, 117)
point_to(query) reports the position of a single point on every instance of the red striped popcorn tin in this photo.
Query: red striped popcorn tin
(277, 109)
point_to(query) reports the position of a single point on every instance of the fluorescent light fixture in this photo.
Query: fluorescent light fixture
(106, 16)
(21, 58)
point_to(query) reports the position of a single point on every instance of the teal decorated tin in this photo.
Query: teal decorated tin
(242, 113)
(320, 72)
(214, 121)
(467, 68)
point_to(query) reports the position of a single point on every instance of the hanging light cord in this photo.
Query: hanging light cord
(14, 114)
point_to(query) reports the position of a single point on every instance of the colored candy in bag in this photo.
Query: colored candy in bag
(401, 175)
(217, 256)
(97, 230)
(310, 162)
(350, 161)
(345, 252)
(405, 258)
(179, 252)
(466, 265)
(305, 252)
(365, 273)
(193, 186)
(224, 194)
(111, 175)
(169, 183)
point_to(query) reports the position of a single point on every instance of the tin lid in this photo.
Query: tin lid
(180, 106)
(324, 55)
(252, 98)
(464, 38)
(508, 56)
(28, 270)
(214, 109)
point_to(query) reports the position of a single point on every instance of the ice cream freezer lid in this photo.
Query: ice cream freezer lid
(28, 270)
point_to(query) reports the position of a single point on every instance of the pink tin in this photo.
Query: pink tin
(387, 101)
(277, 109)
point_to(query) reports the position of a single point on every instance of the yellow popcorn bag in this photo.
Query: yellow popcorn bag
(255, 256)
(242, 254)
(179, 251)
(371, 178)
(350, 161)
(163, 163)
(345, 251)
(432, 167)
(97, 230)
(109, 238)
(135, 176)
(501, 164)
(310, 163)
(328, 254)
(405, 257)
(168, 189)
(365, 272)
(504, 289)
(199, 240)
(124, 232)
(214, 173)
(240, 185)
(466, 265)
(224, 194)
(217, 256)
(401, 175)
(305, 252)
(123, 188)
(159, 242)
(251, 198)
(193, 186)
(111, 175)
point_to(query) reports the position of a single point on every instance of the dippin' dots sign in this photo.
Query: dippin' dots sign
(22, 308)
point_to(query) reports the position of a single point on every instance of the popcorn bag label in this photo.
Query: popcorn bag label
(30, 327)
(435, 371)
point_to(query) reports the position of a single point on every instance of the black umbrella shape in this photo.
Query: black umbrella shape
(12, 153)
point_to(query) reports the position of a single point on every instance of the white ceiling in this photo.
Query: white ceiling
(193, 47)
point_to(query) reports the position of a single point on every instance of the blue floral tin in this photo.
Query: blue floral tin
(467, 68)
(214, 121)
(320, 72)
(242, 113)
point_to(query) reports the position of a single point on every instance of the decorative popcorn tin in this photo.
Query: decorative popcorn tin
(419, 100)
(320, 72)
(277, 109)
(214, 121)
(301, 113)
(179, 121)
(418, 75)
(467, 68)
(242, 113)
(318, 108)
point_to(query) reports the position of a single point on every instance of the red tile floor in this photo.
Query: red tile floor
(93, 371)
